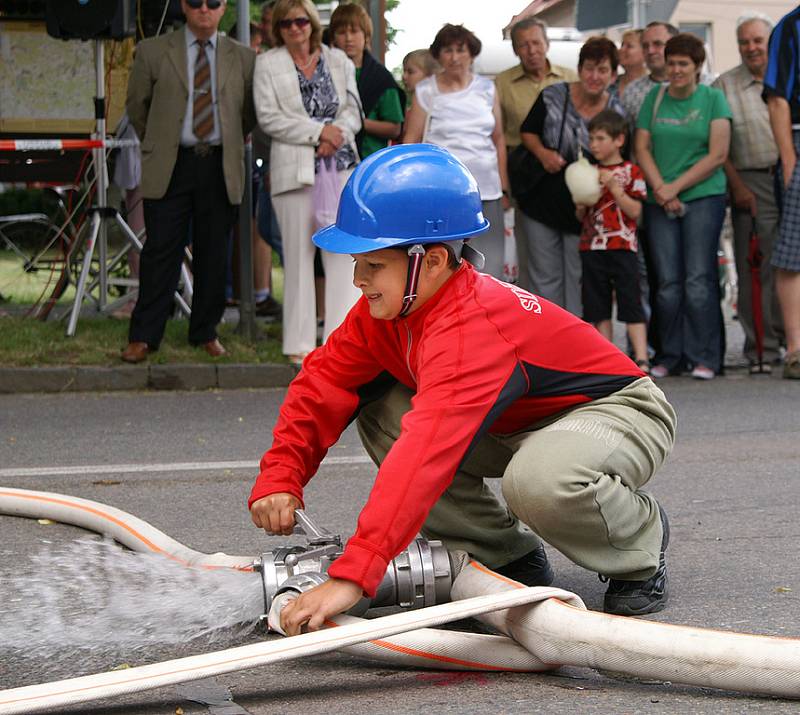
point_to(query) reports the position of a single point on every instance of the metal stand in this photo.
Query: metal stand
(101, 213)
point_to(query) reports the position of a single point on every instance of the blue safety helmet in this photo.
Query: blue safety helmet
(405, 195)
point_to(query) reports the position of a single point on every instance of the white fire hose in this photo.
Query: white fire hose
(544, 628)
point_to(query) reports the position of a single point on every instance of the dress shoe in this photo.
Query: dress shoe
(214, 348)
(135, 352)
(269, 308)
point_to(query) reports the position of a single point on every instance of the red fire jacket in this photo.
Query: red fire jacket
(481, 355)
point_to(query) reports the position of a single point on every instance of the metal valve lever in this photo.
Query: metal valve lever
(419, 576)
(322, 541)
(313, 533)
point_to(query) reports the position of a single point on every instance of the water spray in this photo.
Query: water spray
(541, 628)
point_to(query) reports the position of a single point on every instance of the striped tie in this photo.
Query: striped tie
(202, 108)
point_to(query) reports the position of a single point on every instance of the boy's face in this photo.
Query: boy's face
(603, 146)
(351, 41)
(381, 277)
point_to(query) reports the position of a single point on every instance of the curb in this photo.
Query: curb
(145, 377)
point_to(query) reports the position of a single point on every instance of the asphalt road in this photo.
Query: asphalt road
(731, 488)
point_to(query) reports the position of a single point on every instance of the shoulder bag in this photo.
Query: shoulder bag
(525, 170)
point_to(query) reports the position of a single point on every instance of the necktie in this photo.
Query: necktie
(202, 108)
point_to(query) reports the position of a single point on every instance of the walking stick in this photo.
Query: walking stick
(755, 258)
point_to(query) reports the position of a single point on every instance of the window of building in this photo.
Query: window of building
(701, 29)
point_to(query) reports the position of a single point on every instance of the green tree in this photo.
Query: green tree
(229, 18)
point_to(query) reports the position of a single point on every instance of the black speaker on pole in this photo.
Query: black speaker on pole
(91, 19)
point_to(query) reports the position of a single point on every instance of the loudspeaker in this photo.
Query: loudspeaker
(91, 19)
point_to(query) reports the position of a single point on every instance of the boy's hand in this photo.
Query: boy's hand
(275, 513)
(313, 607)
(606, 178)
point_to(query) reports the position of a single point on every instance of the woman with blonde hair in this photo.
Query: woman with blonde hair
(307, 101)
(417, 65)
(631, 59)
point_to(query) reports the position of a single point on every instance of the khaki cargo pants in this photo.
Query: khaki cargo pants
(573, 481)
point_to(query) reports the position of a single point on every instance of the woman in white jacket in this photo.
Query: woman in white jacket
(306, 100)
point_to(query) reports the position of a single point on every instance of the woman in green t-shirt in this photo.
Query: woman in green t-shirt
(682, 141)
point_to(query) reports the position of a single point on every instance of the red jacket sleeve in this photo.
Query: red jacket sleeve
(459, 387)
(319, 404)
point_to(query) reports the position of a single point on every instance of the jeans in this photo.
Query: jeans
(268, 227)
(687, 297)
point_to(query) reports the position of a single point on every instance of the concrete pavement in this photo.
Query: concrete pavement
(730, 488)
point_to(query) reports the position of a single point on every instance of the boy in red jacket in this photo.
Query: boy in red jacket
(454, 376)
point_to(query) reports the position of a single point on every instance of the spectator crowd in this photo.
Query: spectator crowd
(616, 177)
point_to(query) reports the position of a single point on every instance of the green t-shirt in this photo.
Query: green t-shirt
(679, 136)
(387, 109)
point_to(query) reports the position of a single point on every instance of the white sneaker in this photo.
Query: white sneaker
(701, 372)
(659, 371)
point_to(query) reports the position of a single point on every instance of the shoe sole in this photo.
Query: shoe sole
(624, 610)
(654, 607)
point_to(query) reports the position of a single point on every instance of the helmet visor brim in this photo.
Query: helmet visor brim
(334, 240)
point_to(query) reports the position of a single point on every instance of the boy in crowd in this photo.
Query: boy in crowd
(454, 376)
(383, 101)
(608, 237)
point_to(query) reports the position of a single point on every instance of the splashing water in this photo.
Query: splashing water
(84, 605)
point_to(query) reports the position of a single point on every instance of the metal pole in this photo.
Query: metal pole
(636, 14)
(247, 313)
(101, 198)
(377, 12)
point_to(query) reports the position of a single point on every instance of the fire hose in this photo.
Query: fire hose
(542, 628)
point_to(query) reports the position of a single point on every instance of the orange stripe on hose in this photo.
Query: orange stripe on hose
(435, 656)
(493, 574)
(96, 512)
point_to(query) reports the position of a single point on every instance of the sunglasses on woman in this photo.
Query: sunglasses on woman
(300, 22)
(210, 4)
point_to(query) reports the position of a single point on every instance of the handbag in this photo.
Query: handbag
(525, 170)
(325, 195)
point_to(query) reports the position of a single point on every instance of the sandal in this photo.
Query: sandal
(644, 366)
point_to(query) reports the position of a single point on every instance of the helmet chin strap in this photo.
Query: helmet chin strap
(415, 255)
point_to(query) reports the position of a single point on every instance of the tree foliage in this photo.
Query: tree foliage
(229, 18)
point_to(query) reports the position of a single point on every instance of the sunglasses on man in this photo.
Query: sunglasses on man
(210, 4)
(300, 22)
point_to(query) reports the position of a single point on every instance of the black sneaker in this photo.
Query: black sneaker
(269, 308)
(636, 598)
(533, 569)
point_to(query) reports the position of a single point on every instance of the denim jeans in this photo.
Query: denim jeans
(687, 303)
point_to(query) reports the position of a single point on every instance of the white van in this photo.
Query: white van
(565, 45)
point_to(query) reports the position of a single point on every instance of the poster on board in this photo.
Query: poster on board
(47, 86)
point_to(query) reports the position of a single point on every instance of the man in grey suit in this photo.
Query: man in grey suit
(190, 101)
